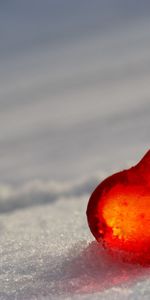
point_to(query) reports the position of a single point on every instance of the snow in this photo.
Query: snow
(47, 252)
(74, 108)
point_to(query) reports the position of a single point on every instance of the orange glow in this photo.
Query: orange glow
(119, 212)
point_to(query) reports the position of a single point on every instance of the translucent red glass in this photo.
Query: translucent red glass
(118, 212)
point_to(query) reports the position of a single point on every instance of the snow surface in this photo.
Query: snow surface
(74, 108)
(47, 251)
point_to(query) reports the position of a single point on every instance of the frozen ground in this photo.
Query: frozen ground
(74, 108)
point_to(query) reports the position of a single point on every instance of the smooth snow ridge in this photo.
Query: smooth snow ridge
(40, 192)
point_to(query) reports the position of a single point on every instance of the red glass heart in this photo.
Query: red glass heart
(118, 212)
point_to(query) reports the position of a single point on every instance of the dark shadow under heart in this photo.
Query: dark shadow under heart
(90, 269)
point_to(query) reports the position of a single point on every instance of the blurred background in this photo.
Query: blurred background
(74, 87)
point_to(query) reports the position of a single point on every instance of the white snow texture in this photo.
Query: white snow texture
(74, 108)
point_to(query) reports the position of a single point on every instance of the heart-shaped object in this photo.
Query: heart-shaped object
(118, 212)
